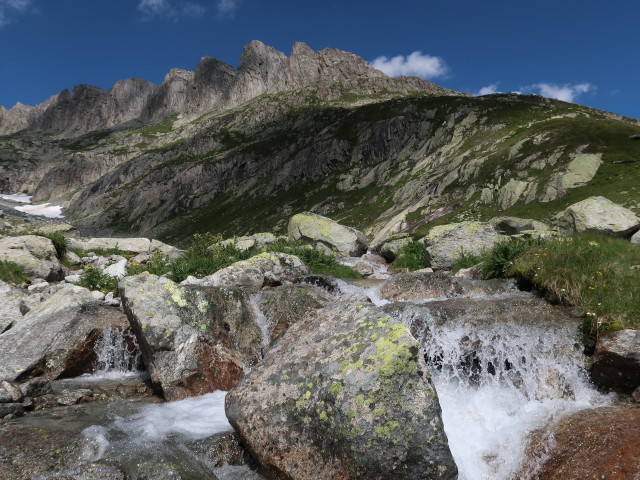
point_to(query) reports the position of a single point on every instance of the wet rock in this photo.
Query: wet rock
(221, 449)
(56, 336)
(616, 363)
(595, 443)
(285, 305)
(390, 247)
(14, 409)
(323, 281)
(597, 214)
(346, 241)
(265, 269)
(352, 399)
(84, 471)
(36, 387)
(193, 339)
(445, 242)
(35, 254)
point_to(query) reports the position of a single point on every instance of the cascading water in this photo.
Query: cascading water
(117, 354)
(255, 300)
(498, 382)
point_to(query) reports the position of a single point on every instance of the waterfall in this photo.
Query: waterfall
(118, 354)
(498, 382)
(255, 300)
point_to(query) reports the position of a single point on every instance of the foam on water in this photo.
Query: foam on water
(117, 356)
(372, 293)
(499, 383)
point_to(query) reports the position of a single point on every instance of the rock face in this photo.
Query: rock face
(597, 214)
(594, 443)
(193, 339)
(352, 400)
(445, 242)
(346, 241)
(617, 361)
(10, 299)
(36, 255)
(265, 269)
(214, 84)
(55, 338)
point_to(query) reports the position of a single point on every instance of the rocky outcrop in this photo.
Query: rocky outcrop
(264, 269)
(10, 299)
(616, 363)
(36, 255)
(324, 232)
(193, 339)
(445, 243)
(55, 337)
(519, 226)
(390, 247)
(354, 400)
(593, 443)
(125, 245)
(213, 85)
(597, 214)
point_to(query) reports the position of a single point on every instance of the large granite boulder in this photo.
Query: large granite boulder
(594, 443)
(193, 339)
(35, 254)
(346, 241)
(616, 363)
(265, 269)
(10, 299)
(597, 214)
(445, 243)
(55, 338)
(345, 393)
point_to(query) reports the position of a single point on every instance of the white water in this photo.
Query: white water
(373, 293)
(255, 300)
(43, 210)
(499, 383)
(114, 358)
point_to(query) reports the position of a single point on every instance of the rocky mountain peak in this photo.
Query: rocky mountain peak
(213, 85)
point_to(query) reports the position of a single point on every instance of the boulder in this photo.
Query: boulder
(55, 338)
(193, 339)
(10, 312)
(265, 269)
(390, 247)
(35, 254)
(258, 240)
(597, 214)
(346, 241)
(345, 393)
(616, 363)
(117, 270)
(285, 305)
(519, 226)
(127, 245)
(446, 242)
(635, 239)
(594, 443)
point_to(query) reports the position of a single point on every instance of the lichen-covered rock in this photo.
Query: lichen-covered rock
(445, 242)
(390, 247)
(344, 394)
(35, 254)
(256, 240)
(265, 269)
(193, 339)
(617, 361)
(55, 337)
(597, 214)
(9, 306)
(594, 443)
(285, 305)
(347, 241)
(580, 171)
(517, 226)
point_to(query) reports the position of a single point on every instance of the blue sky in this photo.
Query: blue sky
(582, 51)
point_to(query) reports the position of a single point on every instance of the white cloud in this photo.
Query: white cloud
(488, 90)
(7, 7)
(426, 66)
(566, 92)
(169, 9)
(227, 7)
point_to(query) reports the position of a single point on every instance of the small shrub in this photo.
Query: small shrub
(94, 279)
(318, 262)
(498, 262)
(11, 272)
(412, 256)
(158, 264)
(465, 260)
(59, 241)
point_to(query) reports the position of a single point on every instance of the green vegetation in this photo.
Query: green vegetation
(412, 256)
(596, 273)
(161, 128)
(12, 273)
(158, 264)
(59, 241)
(94, 279)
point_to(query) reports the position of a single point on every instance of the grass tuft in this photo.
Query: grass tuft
(412, 256)
(11, 272)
